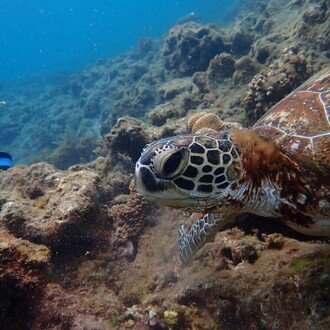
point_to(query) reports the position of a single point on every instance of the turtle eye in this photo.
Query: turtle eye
(172, 163)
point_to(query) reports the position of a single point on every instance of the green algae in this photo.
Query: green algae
(114, 322)
(300, 264)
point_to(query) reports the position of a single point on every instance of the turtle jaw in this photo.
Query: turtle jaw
(166, 193)
(183, 203)
(159, 191)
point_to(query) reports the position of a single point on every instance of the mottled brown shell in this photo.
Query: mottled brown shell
(300, 127)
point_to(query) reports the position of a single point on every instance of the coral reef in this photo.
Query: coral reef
(163, 112)
(79, 108)
(86, 105)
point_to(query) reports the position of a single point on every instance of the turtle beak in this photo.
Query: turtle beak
(145, 181)
(139, 186)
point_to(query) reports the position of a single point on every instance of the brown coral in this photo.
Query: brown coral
(202, 123)
(210, 121)
(192, 120)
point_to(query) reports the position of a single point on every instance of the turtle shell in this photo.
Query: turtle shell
(299, 124)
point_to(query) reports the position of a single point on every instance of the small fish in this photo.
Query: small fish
(3, 103)
(5, 161)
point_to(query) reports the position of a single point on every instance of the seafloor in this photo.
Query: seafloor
(80, 249)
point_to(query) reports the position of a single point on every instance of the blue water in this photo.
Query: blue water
(38, 36)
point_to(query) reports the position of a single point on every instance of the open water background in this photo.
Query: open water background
(45, 36)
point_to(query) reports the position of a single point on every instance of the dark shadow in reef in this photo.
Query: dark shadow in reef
(253, 224)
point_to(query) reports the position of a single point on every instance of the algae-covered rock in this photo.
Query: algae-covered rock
(174, 87)
(189, 47)
(245, 69)
(171, 318)
(23, 270)
(128, 137)
(48, 206)
(220, 68)
(162, 113)
(241, 42)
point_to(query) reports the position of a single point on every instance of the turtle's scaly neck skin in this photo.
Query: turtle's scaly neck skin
(260, 157)
(274, 186)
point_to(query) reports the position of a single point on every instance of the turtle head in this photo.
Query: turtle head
(192, 172)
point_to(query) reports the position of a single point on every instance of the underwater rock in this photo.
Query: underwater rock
(23, 271)
(275, 241)
(163, 112)
(245, 69)
(220, 67)
(128, 137)
(172, 127)
(263, 53)
(189, 47)
(174, 87)
(128, 219)
(241, 42)
(201, 81)
(117, 183)
(171, 318)
(73, 150)
(273, 84)
(316, 13)
(92, 108)
(60, 308)
(131, 276)
(48, 206)
(232, 277)
(137, 71)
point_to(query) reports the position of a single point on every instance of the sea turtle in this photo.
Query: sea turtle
(278, 168)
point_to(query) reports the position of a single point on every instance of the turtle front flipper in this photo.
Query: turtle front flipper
(201, 232)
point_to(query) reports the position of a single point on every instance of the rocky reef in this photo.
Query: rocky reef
(80, 249)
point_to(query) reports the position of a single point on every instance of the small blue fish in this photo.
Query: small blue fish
(5, 161)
